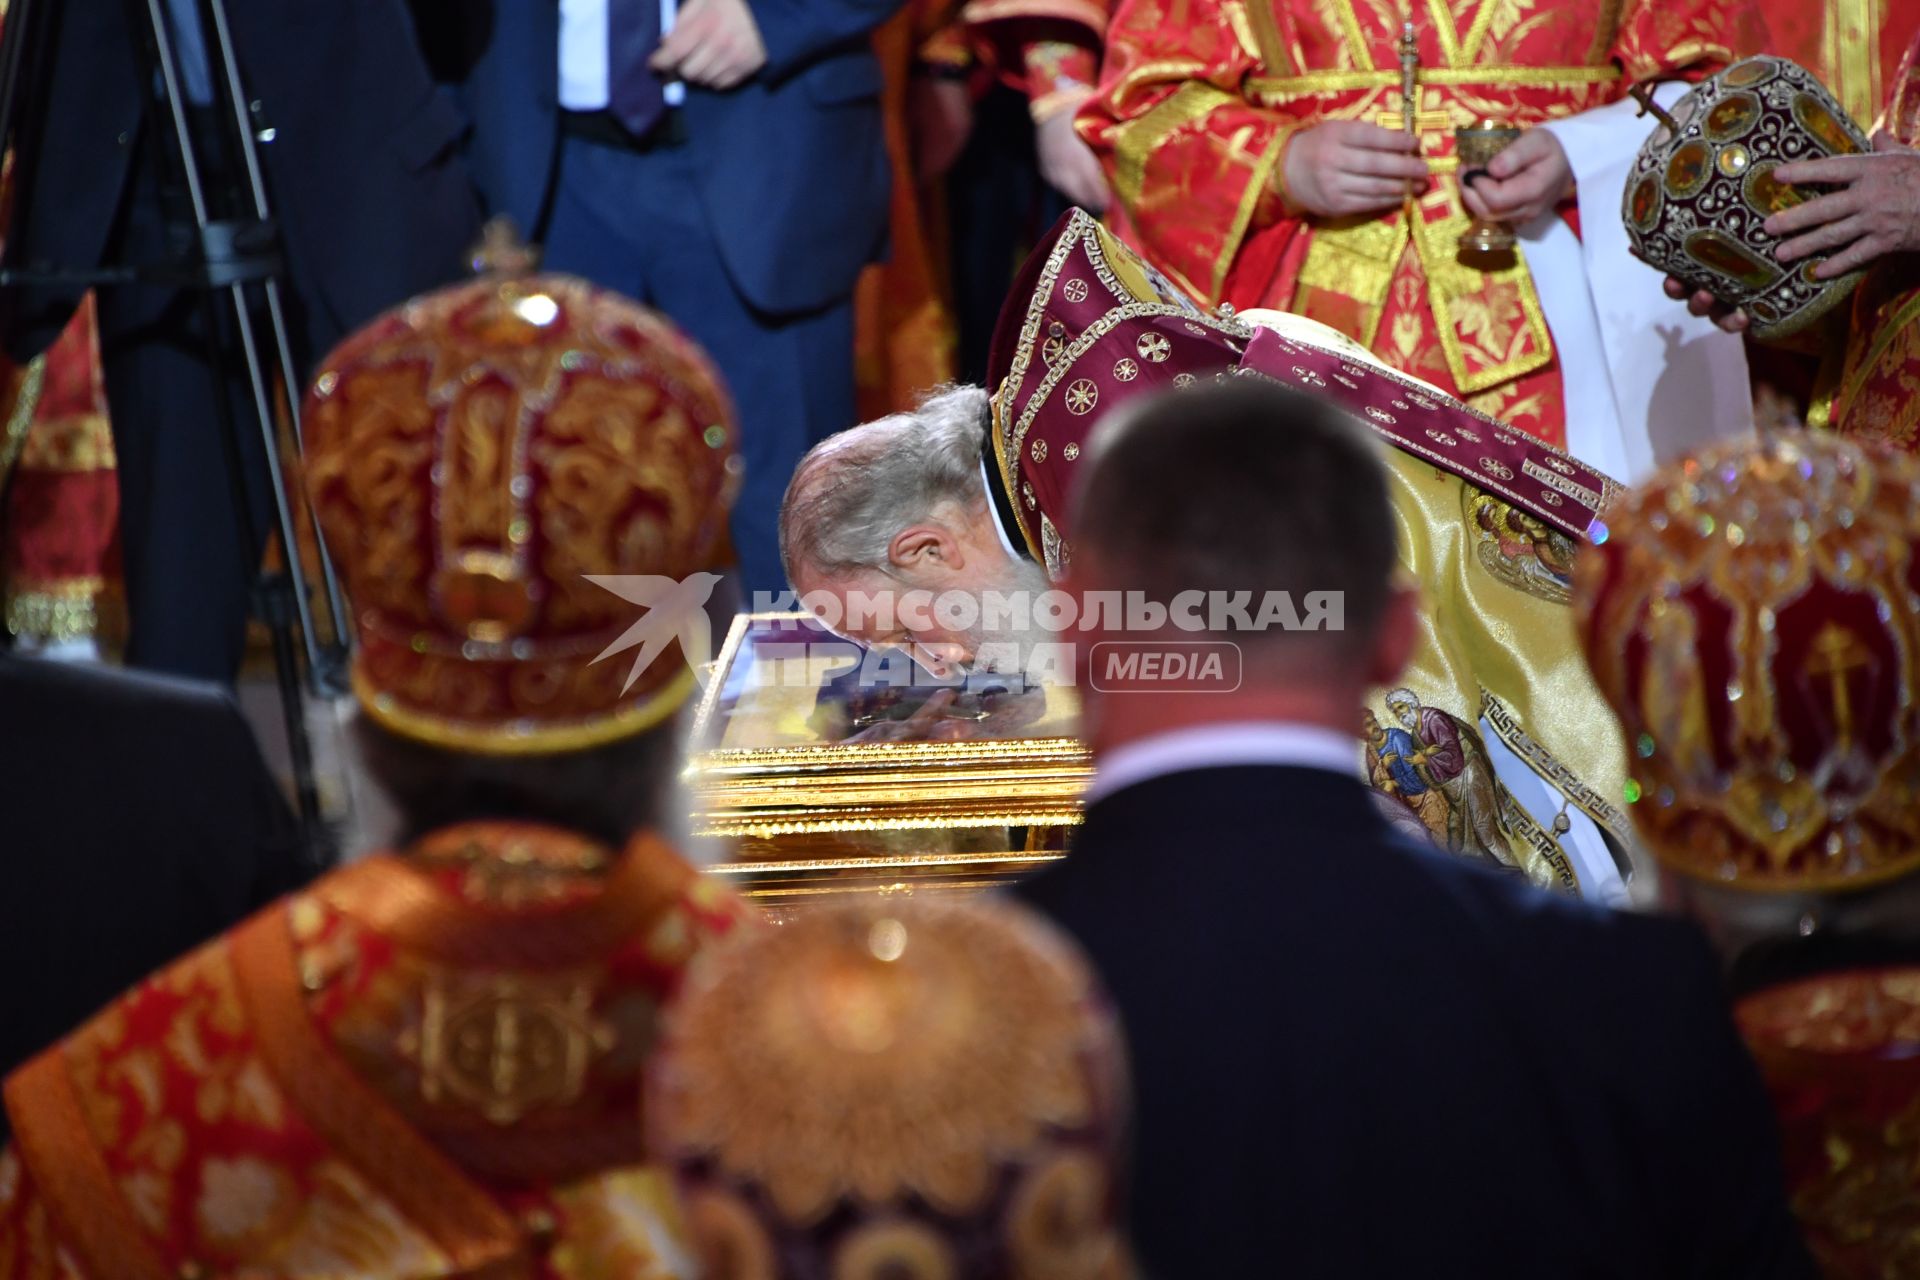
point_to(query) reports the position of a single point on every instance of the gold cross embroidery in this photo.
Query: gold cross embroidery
(1423, 121)
(1838, 652)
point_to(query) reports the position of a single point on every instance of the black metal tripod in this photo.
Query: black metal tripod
(233, 260)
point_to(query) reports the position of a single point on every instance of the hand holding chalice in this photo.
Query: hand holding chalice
(1476, 145)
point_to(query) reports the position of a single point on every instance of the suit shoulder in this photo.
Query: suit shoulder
(1566, 936)
(114, 686)
(71, 706)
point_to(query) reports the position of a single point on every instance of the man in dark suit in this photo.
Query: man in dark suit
(140, 821)
(357, 143)
(730, 173)
(1354, 1055)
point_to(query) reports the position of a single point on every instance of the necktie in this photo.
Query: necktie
(634, 94)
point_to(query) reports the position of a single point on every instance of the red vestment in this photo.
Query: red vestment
(60, 516)
(1199, 98)
(1877, 394)
(1841, 1057)
(421, 1066)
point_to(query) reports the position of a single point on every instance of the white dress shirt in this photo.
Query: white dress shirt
(583, 54)
(1223, 746)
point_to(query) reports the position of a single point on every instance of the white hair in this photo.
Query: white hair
(855, 491)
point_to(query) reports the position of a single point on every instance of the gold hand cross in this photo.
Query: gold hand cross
(1409, 80)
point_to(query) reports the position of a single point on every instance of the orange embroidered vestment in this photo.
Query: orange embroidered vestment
(422, 1066)
(1197, 102)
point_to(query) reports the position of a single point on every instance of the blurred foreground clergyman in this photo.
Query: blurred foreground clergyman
(1326, 1018)
(428, 1064)
(922, 1090)
(1751, 617)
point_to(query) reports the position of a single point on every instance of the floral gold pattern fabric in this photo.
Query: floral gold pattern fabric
(474, 454)
(896, 1089)
(1841, 1056)
(1199, 98)
(1749, 615)
(1877, 395)
(59, 547)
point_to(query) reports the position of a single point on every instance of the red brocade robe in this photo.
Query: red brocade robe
(422, 1066)
(1841, 1055)
(1048, 49)
(1877, 394)
(1199, 98)
(59, 496)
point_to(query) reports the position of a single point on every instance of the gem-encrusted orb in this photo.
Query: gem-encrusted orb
(1751, 615)
(1697, 198)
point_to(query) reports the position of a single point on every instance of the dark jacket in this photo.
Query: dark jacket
(791, 165)
(1357, 1057)
(137, 820)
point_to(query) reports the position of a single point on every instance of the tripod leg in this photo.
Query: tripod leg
(323, 670)
(276, 476)
(271, 590)
(326, 678)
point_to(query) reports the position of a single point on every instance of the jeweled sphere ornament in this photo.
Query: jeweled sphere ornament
(1702, 188)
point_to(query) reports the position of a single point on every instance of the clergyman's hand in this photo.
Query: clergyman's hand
(715, 44)
(1068, 163)
(1702, 303)
(1874, 214)
(940, 119)
(1344, 167)
(1524, 181)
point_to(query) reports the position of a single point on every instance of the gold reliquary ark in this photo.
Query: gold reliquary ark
(821, 767)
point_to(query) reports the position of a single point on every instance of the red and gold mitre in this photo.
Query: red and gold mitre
(475, 455)
(1750, 614)
(914, 1089)
(1089, 325)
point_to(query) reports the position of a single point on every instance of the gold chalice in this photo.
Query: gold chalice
(1476, 145)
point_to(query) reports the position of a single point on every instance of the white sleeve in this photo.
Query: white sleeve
(1671, 381)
